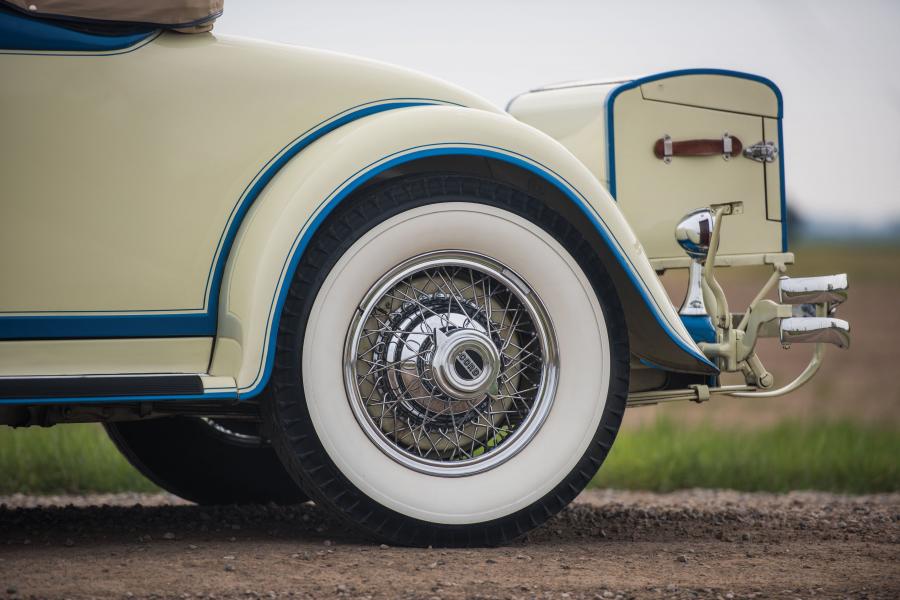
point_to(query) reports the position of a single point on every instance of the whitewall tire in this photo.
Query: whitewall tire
(449, 372)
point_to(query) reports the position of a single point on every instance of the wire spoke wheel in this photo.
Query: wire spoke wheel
(451, 363)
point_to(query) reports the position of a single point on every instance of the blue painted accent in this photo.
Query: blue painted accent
(109, 399)
(363, 175)
(51, 327)
(202, 321)
(651, 365)
(610, 128)
(21, 32)
(700, 327)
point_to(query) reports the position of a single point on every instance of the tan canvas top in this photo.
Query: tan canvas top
(184, 15)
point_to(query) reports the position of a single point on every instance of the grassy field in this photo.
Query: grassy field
(68, 458)
(841, 457)
(837, 457)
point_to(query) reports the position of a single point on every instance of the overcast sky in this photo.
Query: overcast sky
(837, 64)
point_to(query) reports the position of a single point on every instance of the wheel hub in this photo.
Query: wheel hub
(440, 367)
(466, 364)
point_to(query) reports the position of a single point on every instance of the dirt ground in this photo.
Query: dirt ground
(694, 544)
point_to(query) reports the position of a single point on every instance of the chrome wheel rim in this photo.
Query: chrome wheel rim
(450, 363)
(235, 432)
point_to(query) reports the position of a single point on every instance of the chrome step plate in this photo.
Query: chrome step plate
(827, 289)
(811, 330)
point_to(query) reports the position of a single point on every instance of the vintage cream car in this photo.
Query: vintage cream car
(275, 272)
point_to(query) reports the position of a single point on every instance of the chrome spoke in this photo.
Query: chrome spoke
(451, 365)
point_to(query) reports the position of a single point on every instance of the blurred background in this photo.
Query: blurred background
(835, 63)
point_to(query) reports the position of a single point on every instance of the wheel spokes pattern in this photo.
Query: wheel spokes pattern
(393, 371)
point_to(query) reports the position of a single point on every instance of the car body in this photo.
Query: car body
(163, 191)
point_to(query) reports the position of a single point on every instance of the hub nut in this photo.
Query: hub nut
(466, 364)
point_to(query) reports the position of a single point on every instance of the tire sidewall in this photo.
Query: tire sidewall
(584, 358)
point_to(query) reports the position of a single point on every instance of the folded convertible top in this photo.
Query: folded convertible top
(184, 15)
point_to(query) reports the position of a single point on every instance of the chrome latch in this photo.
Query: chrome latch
(761, 152)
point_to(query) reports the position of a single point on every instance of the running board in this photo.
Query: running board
(109, 385)
(100, 388)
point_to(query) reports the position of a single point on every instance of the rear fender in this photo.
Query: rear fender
(280, 224)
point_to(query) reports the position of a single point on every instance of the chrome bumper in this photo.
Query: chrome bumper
(814, 301)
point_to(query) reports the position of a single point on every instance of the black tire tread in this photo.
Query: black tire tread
(184, 457)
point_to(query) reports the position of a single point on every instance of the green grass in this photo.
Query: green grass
(837, 457)
(840, 457)
(65, 458)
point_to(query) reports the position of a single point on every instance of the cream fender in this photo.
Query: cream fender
(286, 214)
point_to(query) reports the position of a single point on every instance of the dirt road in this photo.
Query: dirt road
(702, 544)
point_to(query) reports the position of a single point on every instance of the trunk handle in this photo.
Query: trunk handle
(726, 147)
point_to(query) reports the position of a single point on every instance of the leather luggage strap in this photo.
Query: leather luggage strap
(726, 146)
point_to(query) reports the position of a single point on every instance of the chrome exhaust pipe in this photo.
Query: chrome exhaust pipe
(811, 330)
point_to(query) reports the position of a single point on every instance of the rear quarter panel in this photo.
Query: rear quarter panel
(124, 174)
(612, 127)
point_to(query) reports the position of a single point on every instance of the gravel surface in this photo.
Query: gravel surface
(91, 500)
(608, 545)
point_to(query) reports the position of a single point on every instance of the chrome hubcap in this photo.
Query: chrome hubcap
(466, 363)
(450, 363)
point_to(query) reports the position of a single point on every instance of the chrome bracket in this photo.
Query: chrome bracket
(727, 146)
(667, 148)
(764, 152)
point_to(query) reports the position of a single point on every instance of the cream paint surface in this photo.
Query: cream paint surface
(131, 218)
(270, 233)
(122, 171)
(654, 195)
(733, 260)
(731, 94)
(773, 173)
(100, 357)
(574, 116)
